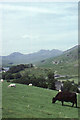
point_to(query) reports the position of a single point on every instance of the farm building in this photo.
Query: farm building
(58, 85)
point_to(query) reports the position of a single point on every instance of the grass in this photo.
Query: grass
(62, 68)
(0, 100)
(75, 79)
(33, 102)
(67, 63)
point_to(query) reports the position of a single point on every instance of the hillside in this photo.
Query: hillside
(33, 102)
(65, 64)
(18, 58)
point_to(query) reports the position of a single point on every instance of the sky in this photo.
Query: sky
(29, 27)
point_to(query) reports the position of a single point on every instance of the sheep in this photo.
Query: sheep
(2, 80)
(30, 84)
(12, 85)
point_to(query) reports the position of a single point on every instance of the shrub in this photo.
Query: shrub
(3, 75)
(51, 80)
(17, 75)
(42, 82)
(9, 76)
(15, 69)
(50, 75)
(69, 86)
(8, 80)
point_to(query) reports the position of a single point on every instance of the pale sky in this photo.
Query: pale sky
(29, 27)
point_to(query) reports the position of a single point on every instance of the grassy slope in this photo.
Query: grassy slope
(69, 65)
(33, 102)
(62, 68)
(0, 100)
(66, 67)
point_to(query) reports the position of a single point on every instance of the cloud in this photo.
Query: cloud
(58, 8)
(30, 27)
(28, 36)
(23, 8)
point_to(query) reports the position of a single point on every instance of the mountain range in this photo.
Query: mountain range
(19, 58)
(42, 57)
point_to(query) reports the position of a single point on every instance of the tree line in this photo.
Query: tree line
(14, 75)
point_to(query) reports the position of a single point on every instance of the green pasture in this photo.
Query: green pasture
(0, 100)
(67, 67)
(33, 102)
(75, 79)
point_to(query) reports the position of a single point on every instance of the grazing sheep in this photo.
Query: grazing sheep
(12, 85)
(30, 84)
(2, 80)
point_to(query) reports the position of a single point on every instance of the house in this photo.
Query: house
(58, 85)
(56, 76)
(3, 69)
(79, 88)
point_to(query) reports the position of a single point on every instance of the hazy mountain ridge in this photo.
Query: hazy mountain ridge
(46, 56)
(18, 58)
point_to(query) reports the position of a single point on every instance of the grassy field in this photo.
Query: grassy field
(69, 68)
(67, 63)
(0, 100)
(33, 102)
(75, 79)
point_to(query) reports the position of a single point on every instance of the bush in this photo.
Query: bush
(15, 69)
(51, 75)
(17, 76)
(9, 76)
(42, 82)
(51, 81)
(8, 80)
(21, 81)
(51, 84)
(69, 86)
(3, 75)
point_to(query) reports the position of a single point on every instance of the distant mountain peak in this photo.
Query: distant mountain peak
(43, 50)
(18, 58)
(15, 54)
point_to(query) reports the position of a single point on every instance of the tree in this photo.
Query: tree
(17, 68)
(42, 82)
(51, 81)
(69, 86)
(9, 76)
(17, 75)
(50, 75)
(3, 75)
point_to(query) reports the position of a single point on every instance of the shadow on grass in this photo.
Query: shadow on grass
(71, 106)
(67, 105)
